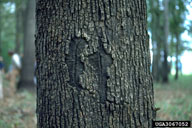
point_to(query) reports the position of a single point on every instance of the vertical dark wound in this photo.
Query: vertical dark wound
(100, 62)
(73, 60)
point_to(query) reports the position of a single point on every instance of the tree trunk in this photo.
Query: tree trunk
(1, 84)
(165, 44)
(0, 28)
(156, 65)
(93, 64)
(177, 58)
(156, 31)
(19, 27)
(27, 72)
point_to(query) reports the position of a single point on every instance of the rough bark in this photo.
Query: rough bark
(93, 64)
(165, 67)
(28, 60)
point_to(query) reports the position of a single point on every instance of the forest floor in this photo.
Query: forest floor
(174, 100)
(17, 110)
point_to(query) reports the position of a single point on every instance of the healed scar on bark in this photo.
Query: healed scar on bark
(100, 60)
(74, 63)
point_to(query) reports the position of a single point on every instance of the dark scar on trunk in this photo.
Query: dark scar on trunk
(74, 63)
(100, 62)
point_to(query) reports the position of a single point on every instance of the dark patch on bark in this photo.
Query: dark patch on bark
(100, 62)
(74, 63)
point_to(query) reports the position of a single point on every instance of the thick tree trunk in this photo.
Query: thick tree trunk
(27, 72)
(93, 64)
(165, 67)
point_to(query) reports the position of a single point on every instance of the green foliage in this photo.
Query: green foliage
(8, 31)
(156, 21)
(8, 26)
(4, 124)
(177, 18)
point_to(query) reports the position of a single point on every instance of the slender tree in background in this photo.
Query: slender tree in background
(0, 27)
(165, 67)
(166, 19)
(93, 64)
(177, 19)
(177, 56)
(190, 28)
(156, 28)
(19, 10)
(28, 60)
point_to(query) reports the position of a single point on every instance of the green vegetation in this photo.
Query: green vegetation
(174, 99)
(7, 31)
(166, 23)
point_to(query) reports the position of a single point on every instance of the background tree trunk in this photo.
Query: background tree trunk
(177, 57)
(19, 26)
(156, 66)
(0, 28)
(156, 31)
(165, 67)
(93, 64)
(27, 72)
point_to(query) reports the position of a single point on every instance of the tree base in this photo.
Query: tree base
(26, 85)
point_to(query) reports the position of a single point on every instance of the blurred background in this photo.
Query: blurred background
(170, 30)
